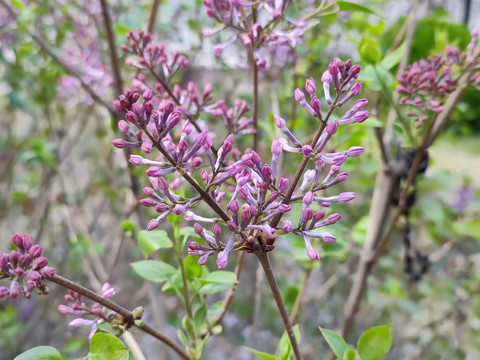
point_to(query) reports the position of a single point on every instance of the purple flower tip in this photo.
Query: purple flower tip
(331, 128)
(299, 95)
(307, 150)
(355, 150)
(153, 224)
(279, 121)
(288, 225)
(329, 238)
(313, 254)
(310, 86)
(346, 196)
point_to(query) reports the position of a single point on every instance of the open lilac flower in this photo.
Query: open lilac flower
(25, 268)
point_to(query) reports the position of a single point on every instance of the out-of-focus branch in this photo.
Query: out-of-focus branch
(152, 18)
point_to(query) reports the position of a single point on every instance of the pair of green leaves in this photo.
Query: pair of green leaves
(103, 346)
(372, 345)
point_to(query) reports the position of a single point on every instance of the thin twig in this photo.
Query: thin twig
(127, 314)
(152, 18)
(277, 295)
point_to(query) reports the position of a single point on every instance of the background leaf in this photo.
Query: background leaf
(375, 343)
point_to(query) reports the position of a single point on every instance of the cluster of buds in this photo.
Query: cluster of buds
(426, 84)
(189, 102)
(237, 16)
(95, 315)
(257, 196)
(25, 267)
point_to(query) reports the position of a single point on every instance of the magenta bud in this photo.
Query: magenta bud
(27, 242)
(284, 208)
(299, 95)
(307, 214)
(123, 126)
(331, 128)
(279, 121)
(315, 104)
(308, 198)
(356, 89)
(346, 196)
(14, 289)
(178, 209)
(234, 206)
(192, 245)
(147, 202)
(310, 86)
(355, 150)
(201, 138)
(153, 224)
(78, 322)
(136, 160)
(216, 229)
(196, 161)
(276, 147)
(342, 177)
(137, 109)
(119, 143)
(148, 107)
(307, 150)
(360, 104)
(131, 116)
(333, 218)
(47, 272)
(65, 310)
(202, 260)
(198, 228)
(283, 184)
(118, 105)
(313, 254)
(17, 240)
(360, 116)
(231, 225)
(327, 77)
(41, 262)
(173, 119)
(147, 95)
(97, 311)
(35, 251)
(329, 238)
(288, 226)
(319, 215)
(355, 70)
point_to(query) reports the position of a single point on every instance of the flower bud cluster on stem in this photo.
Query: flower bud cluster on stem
(25, 267)
(245, 192)
(426, 84)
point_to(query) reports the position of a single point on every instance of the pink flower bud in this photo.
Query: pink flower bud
(231, 225)
(288, 226)
(356, 89)
(310, 86)
(360, 116)
(329, 238)
(178, 209)
(276, 147)
(41, 262)
(196, 161)
(136, 160)
(315, 104)
(284, 208)
(307, 150)
(342, 177)
(201, 138)
(283, 184)
(147, 95)
(355, 150)
(17, 240)
(331, 128)
(119, 143)
(202, 260)
(313, 254)
(307, 214)
(319, 215)
(153, 224)
(346, 196)
(299, 95)
(65, 310)
(333, 218)
(123, 126)
(279, 121)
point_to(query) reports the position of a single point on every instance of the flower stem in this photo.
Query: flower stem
(277, 295)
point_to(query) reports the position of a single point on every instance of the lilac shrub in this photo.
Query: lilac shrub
(247, 194)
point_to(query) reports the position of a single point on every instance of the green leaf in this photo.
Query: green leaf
(375, 343)
(393, 58)
(40, 353)
(106, 347)
(154, 270)
(200, 316)
(369, 50)
(335, 341)
(349, 355)
(469, 228)
(192, 269)
(218, 281)
(150, 241)
(349, 6)
(262, 354)
(285, 346)
(128, 227)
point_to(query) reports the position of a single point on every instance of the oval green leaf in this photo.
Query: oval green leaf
(369, 50)
(40, 353)
(335, 341)
(375, 343)
(154, 270)
(150, 241)
(349, 6)
(106, 347)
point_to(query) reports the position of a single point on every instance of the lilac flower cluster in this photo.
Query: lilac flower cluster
(426, 84)
(190, 101)
(247, 194)
(100, 314)
(25, 267)
(258, 25)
